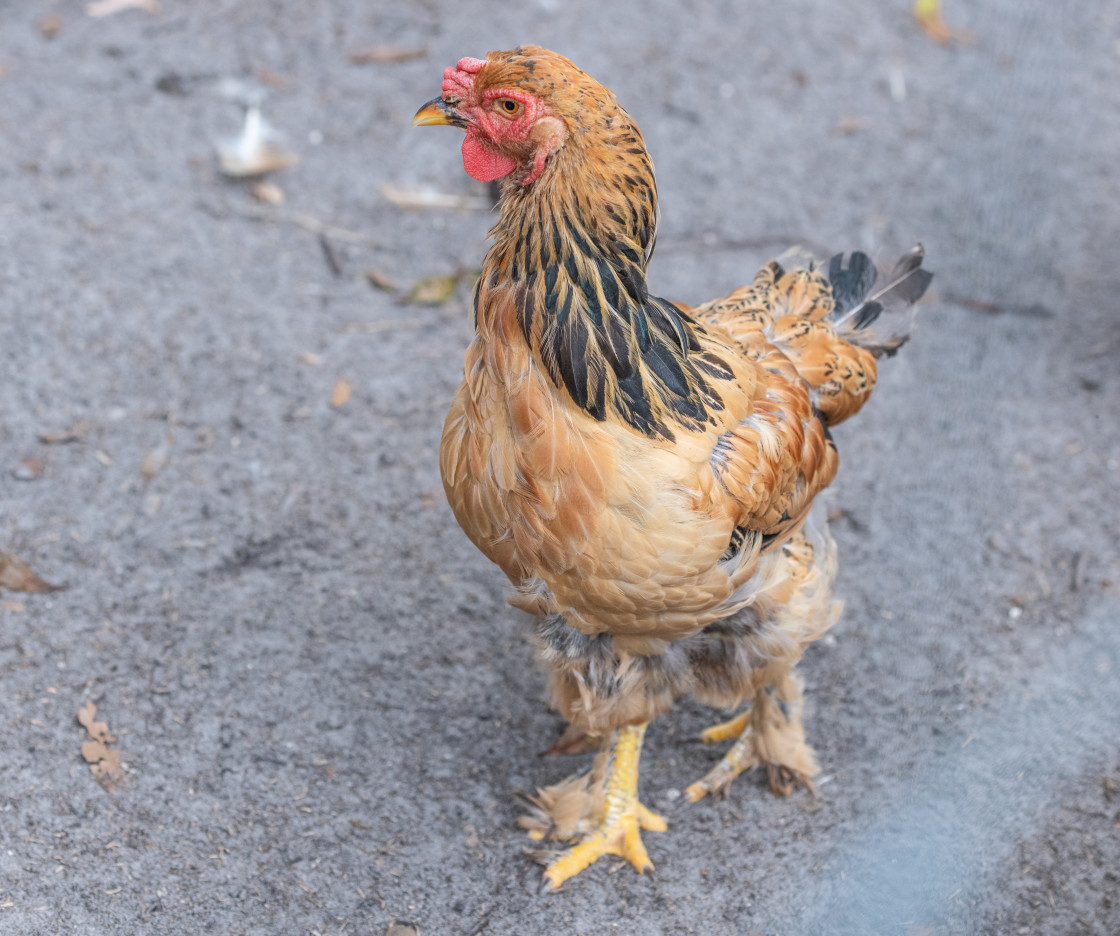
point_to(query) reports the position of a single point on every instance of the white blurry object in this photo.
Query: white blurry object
(258, 149)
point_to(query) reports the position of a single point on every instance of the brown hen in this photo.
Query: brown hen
(643, 472)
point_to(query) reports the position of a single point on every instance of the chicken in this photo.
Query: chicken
(644, 472)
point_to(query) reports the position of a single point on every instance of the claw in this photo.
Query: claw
(767, 734)
(618, 831)
(622, 838)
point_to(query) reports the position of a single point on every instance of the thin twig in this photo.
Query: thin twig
(746, 243)
(298, 218)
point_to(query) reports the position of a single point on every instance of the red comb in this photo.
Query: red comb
(458, 79)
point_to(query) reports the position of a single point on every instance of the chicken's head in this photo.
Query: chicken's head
(510, 104)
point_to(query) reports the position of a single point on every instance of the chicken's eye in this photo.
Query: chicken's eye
(509, 107)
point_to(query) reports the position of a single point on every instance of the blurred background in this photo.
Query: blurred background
(233, 306)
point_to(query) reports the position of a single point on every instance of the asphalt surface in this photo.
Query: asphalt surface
(322, 703)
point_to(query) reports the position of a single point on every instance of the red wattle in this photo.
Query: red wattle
(485, 164)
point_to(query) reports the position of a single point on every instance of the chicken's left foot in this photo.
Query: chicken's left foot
(739, 757)
(619, 830)
(771, 734)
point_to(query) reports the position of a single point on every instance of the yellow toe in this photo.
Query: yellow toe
(618, 828)
(726, 731)
(624, 839)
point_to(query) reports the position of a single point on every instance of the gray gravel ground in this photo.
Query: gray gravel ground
(322, 700)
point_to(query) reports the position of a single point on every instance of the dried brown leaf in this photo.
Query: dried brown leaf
(927, 13)
(431, 198)
(30, 469)
(50, 25)
(108, 771)
(97, 730)
(156, 460)
(340, 395)
(849, 126)
(379, 280)
(433, 290)
(16, 575)
(310, 357)
(93, 751)
(13, 606)
(272, 79)
(387, 55)
(104, 761)
(268, 192)
(59, 438)
(402, 929)
(101, 8)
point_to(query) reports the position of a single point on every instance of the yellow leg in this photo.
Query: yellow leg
(739, 757)
(769, 734)
(618, 831)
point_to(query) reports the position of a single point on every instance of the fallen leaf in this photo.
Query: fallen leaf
(930, 21)
(101, 8)
(16, 575)
(379, 280)
(271, 78)
(3, 69)
(97, 730)
(50, 25)
(310, 357)
(93, 751)
(108, 771)
(268, 192)
(13, 605)
(30, 469)
(432, 496)
(431, 198)
(402, 929)
(104, 457)
(386, 55)
(59, 438)
(340, 395)
(433, 290)
(156, 460)
(847, 126)
(104, 761)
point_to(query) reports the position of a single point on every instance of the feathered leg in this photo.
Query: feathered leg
(612, 820)
(769, 734)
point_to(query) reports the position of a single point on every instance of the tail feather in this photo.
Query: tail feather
(827, 326)
(858, 307)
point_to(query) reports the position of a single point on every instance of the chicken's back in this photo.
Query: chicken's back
(824, 323)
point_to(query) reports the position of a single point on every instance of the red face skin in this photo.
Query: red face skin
(506, 128)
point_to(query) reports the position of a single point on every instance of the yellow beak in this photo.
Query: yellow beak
(436, 111)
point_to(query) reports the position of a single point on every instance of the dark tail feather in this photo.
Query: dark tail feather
(859, 305)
